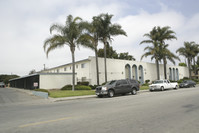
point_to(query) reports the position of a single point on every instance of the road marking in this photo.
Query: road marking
(43, 122)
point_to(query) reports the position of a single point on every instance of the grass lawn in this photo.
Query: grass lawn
(144, 87)
(69, 93)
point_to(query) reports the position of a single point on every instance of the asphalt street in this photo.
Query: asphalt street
(173, 111)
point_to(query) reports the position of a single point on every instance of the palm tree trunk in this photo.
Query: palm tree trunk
(97, 67)
(105, 68)
(73, 67)
(165, 68)
(194, 61)
(189, 66)
(158, 71)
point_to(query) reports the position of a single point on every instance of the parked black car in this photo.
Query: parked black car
(187, 83)
(2, 85)
(122, 86)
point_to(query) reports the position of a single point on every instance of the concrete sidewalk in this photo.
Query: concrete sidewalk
(30, 92)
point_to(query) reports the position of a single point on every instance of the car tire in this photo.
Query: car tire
(176, 87)
(162, 88)
(134, 91)
(100, 96)
(111, 93)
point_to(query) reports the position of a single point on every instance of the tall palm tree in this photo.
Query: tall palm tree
(153, 51)
(167, 54)
(106, 30)
(165, 34)
(195, 53)
(90, 39)
(188, 52)
(68, 35)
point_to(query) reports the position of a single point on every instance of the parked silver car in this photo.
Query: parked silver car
(2, 85)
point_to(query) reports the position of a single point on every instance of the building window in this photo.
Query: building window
(83, 65)
(70, 67)
(76, 66)
(65, 69)
(57, 70)
(83, 79)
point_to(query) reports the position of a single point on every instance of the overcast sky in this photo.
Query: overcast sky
(25, 24)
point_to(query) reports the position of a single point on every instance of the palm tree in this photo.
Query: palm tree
(106, 30)
(195, 53)
(188, 52)
(167, 54)
(153, 51)
(90, 39)
(68, 35)
(164, 34)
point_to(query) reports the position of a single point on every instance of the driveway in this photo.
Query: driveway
(11, 95)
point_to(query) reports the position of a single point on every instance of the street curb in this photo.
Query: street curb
(81, 97)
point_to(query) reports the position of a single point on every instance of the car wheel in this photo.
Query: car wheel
(134, 91)
(176, 87)
(162, 88)
(100, 96)
(111, 93)
(151, 90)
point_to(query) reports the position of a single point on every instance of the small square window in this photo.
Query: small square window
(83, 65)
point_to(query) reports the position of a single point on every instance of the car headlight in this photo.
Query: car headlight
(104, 88)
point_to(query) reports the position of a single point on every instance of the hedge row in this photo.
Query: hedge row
(77, 87)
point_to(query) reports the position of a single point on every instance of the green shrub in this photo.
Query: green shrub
(67, 87)
(83, 83)
(77, 87)
(42, 90)
(186, 78)
(196, 80)
(93, 87)
(82, 87)
(145, 84)
(180, 81)
(147, 81)
(104, 83)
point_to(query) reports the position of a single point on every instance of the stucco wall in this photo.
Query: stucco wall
(116, 70)
(55, 81)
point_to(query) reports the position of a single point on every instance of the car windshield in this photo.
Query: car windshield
(158, 81)
(110, 82)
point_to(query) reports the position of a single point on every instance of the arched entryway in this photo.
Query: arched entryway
(127, 71)
(174, 74)
(141, 74)
(177, 74)
(135, 72)
(170, 74)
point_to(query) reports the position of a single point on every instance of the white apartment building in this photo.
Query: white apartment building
(119, 69)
